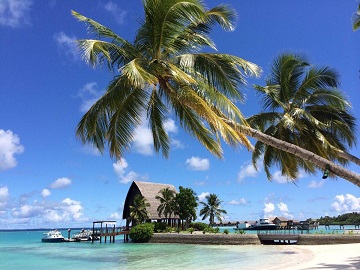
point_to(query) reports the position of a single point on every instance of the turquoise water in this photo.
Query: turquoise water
(24, 250)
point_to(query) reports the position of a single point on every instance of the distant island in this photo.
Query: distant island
(344, 219)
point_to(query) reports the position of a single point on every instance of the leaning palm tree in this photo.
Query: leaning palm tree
(167, 203)
(138, 211)
(356, 19)
(212, 209)
(163, 71)
(302, 105)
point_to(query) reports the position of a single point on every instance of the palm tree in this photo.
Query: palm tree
(301, 105)
(212, 209)
(356, 19)
(167, 203)
(163, 72)
(138, 212)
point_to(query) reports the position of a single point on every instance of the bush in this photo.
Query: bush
(160, 227)
(199, 226)
(216, 230)
(191, 230)
(226, 231)
(142, 233)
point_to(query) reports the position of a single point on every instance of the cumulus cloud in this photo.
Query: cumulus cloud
(116, 216)
(120, 168)
(143, 140)
(27, 211)
(15, 13)
(118, 14)
(345, 203)
(241, 201)
(45, 192)
(198, 164)
(246, 171)
(9, 147)
(203, 195)
(279, 178)
(269, 209)
(67, 44)
(284, 210)
(88, 94)
(60, 183)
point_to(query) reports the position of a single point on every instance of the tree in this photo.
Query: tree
(186, 204)
(303, 106)
(356, 19)
(162, 72)
(167, 203)
(212, 209)
(138, 212)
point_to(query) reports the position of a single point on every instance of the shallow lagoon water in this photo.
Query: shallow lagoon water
(24, 250)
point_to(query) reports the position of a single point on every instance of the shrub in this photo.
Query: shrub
(142, 233)
(191, 230)
(240, 231)
(199, 226)
(160, 227)
(216, 230)
(226, 231)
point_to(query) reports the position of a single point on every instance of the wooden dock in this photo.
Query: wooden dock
(109, 231)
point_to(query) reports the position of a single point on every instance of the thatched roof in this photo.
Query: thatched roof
(149, 191)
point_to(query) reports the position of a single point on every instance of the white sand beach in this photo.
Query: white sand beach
(329, 257)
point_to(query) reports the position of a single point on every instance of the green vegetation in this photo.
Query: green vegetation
(167, 206)
(212, 209)
(164, 71)
(186, 201)
(344, 219)
(142, 233)
(138, 212)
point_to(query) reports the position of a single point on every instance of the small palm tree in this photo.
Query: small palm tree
(302, 105)
(138, 212)
(212, 209)
(167, 202)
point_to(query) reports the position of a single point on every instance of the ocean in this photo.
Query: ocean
(24, 250)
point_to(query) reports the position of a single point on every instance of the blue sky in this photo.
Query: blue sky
(48, 179)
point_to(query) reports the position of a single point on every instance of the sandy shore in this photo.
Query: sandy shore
(327, 257)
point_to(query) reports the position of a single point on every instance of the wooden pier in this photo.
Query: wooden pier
(278, 237)
(109, 231)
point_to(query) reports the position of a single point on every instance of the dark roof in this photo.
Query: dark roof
(149, 191)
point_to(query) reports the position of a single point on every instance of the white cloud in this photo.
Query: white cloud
(60, 183)
(203, 195)
(9, 147)
(67, 44)
(116, 11)
(246, 171)
(116, 216)
(45, 192)
(268, 209)
(4, 195)
(143, 140)
(120, 169)
(345, 203)
(74, 208)
(241, 201)
(284, 210)
(15, 13)
(316, 184)
(279, 178)
(27, 211)
(198, 164)
(89, 94)
(170, 127)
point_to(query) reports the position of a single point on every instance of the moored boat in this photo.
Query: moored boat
(262, 224)
(53, 236)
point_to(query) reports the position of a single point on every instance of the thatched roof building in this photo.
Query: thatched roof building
(149, 191)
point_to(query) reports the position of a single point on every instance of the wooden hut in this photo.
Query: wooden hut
(149, 191)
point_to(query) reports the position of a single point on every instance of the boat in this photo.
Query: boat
(53, 236)
(84, 235)
(262, 224)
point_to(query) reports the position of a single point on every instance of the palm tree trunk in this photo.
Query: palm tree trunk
(349, 157)
(302, 153)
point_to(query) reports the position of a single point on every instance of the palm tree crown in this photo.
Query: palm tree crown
(167, 202)
(138, 211)
(302, 105)
(163, 71)
(356, 19)
(212, 209)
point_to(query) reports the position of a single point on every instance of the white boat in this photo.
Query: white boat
(262, 224)
(53, 236)
(84, 235)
